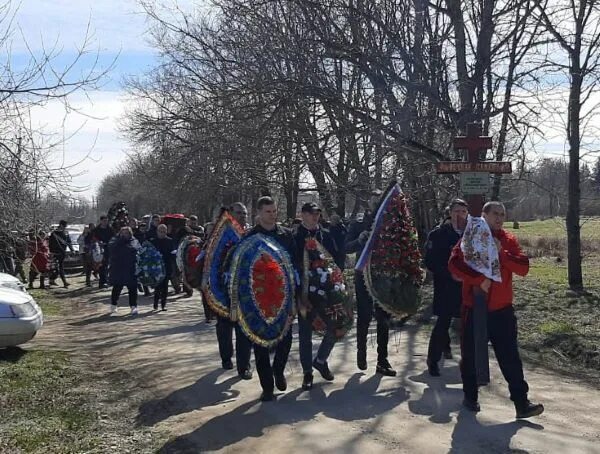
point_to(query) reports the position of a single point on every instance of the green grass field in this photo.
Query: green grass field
(555, 228)
(557, 329)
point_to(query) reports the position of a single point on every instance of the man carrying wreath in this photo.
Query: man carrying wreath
(485, 260)
(308, 236)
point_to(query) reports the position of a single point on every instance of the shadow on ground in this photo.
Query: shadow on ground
(11, 354)
(470, 435)
(243, 421)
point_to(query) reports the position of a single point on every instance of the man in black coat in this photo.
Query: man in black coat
(267, 225)
(59, 242)
(226, 327)
(358, 235)
(310, 228)
(446, 291)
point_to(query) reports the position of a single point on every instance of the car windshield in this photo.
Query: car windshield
(74, 236)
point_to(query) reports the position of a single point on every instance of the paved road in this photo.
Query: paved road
(174, 357)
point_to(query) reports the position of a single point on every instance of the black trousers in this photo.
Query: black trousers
(364, 306)
(225, 328)
(59, 270)
(103, 272)
(161, 291)
(116, 292)
(502, 333)
(439, 342)
(262, 358)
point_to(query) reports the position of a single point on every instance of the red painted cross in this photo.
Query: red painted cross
(473, 143)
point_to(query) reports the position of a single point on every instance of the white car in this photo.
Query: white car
(20, 317)
(11, 282)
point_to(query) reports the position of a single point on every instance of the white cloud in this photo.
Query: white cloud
(93, 140)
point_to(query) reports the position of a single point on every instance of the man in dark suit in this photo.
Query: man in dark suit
(446, 291)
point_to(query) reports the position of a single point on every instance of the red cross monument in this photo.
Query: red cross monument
(474, 173)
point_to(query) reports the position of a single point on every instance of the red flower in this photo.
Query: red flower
(311, 244)
(267, 284)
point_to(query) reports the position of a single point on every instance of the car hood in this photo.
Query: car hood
(8, 278)
(9, 296)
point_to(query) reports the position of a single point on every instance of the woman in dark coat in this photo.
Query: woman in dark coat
(446, 291)
(123, 256)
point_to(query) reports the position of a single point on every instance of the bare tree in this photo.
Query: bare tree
(575, 29)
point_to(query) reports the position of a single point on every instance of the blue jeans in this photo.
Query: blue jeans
(305, 331)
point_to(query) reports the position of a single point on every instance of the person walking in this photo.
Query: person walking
(358, 234)
(103, 233)
(225, 327)
(272, 375)
(40, 259)
(85, 242)
(480, 272)
(446, 290)
(167, 248)
(123, 254)
(59, 243)
(310, 229)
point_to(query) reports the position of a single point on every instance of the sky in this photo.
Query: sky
(118, 31)
(118, 37)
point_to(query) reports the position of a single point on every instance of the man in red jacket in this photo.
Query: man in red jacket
(501, 320)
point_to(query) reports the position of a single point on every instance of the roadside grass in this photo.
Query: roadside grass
(43, 409)
(51, 305)
(58, 402)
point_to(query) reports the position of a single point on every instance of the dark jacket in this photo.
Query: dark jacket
(59, 242)
(446, 291)
(339, 232)
(324, 237)
(139, 235)
(283, 235)
(166, 246)
(103, 235)
(353, 243)
(123, 256)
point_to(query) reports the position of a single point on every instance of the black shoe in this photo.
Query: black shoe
(53, 284)
(267, 396)
(384, 368)
(163, 307)
(527, 410)
(448, 354)
(323, 369)
(280, 382)
(227, 365)
(361, 359)
(471, 405)
(88, 284)
(433, 368)
(155, 305)
(245, 375)
(307, 382)
(66, 285)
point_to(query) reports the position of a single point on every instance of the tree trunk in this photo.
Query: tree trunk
(574, 198)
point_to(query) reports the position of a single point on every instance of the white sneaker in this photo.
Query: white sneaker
(134, 311)
(113, 308)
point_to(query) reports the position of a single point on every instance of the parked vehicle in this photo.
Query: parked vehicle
(20, 317)
(73, 260)
(11, 282)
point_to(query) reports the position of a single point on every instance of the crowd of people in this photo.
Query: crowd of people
(111, 251)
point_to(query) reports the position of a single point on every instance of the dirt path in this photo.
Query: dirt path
(173, 358)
